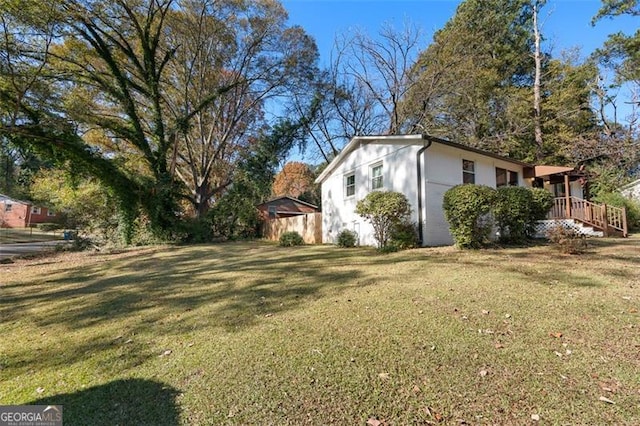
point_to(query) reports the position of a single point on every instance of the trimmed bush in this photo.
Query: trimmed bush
(404, 235)
(385, 210)
(467, 208)
(542, 201)
(512, 212)
(347, 238)
(290, 239)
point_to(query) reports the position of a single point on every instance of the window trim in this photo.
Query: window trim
(36, 210)
(272, 211)
(51, 213)
(471, 173)
(376, 178)
(508, 175)
(346, 185)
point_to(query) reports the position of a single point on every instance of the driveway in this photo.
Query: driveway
(21, 249)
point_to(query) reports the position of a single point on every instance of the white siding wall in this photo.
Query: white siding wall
(632, 191)
(442, 169)
(399, 174)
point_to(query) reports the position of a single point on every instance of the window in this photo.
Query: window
(506, 177)
(468, 171)
(8, 207)
(376, 176)
(36, 210)
(272, 211)
(51, 213)
(350, 185)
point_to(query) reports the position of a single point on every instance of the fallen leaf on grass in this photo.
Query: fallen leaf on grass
(605, 399)
(485, 312)
(483, 373)
(383, 376)
(40, 390)
(535, 417)
(165, 353)
(374, 422)
(557, 335)
(499, 346)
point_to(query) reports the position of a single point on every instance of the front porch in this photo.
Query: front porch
(571, 188)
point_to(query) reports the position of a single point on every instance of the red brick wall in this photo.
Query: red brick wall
(15, 218)
(20, 216)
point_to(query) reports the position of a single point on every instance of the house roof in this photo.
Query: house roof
(5, 198)
(295, 200)
(358, 141)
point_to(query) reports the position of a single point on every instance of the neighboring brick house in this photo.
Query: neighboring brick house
(21, 214)
(284, 206)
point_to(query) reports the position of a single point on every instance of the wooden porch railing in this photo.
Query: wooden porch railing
(601, 216)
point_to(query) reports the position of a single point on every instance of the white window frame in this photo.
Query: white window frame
(36, 210)
(51, 213)
(471, 173)
(348, 185)
(376, 181)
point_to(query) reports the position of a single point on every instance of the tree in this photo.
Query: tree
(136, 76)
(621, 52)
(466, 78)
(295, 179)
(360, 92)
(261, 61)
(384, 210)
(234, 213)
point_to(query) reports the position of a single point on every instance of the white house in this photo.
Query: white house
(632, 190)
(423, 168)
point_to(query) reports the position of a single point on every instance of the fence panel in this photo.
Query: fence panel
(308, 225)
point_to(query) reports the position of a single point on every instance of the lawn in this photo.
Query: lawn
(27, 235)
(251, 333)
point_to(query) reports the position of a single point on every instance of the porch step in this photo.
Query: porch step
(543, 226)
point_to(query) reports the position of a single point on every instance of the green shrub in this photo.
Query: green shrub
(542, 201)
(567, 240)
(467, 209)
(618, 200)
(404, 235)
(512, 212)
(48, 227)
(385, 210)
(290, 239)
(195, 231)
(347, 238)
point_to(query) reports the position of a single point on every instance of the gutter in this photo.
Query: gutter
(419, 175)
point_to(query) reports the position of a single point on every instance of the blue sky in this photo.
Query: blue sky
(566, 23)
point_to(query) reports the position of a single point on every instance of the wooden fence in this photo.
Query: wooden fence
(308, 225)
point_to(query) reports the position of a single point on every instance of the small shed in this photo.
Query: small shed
(285, 206)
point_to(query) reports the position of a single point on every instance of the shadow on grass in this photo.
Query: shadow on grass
(238, 283)
(121, 402)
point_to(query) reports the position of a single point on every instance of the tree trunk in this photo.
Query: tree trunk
(537, 119)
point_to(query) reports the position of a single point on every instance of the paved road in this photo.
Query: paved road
(20, 249)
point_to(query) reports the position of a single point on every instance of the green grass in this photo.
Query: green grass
(27, 235)
(260, 334)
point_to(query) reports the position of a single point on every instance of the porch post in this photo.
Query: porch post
(567, 196)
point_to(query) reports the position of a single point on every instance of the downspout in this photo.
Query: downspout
(419, 174)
